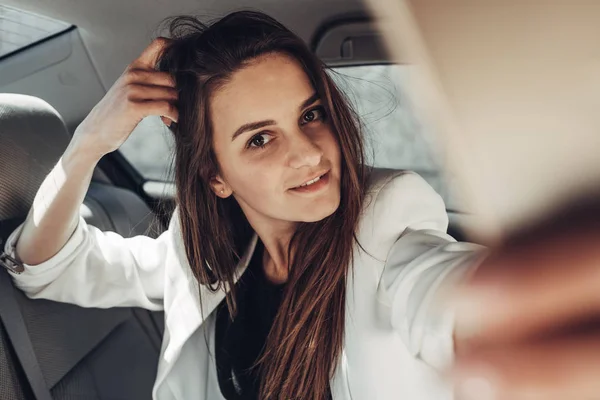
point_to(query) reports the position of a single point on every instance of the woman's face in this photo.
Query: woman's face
(271, 136)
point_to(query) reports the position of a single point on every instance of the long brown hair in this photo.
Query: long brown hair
(305, 341)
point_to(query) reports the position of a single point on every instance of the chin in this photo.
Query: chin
(321, 211)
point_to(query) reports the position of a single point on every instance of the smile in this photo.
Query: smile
(311, 181)
(314, 184)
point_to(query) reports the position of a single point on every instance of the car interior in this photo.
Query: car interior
(57, 59)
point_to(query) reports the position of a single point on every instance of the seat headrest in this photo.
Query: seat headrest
(33, 137)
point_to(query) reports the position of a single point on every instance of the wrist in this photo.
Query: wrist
(81, 155)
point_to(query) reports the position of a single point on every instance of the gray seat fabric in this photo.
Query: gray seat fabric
(84, 353)
(11, 374)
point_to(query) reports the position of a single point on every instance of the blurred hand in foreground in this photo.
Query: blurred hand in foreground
(527, 322)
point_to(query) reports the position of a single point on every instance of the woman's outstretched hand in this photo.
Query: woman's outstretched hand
(527, 321)
(139, 92)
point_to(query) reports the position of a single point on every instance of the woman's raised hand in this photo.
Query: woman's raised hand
(139, 92)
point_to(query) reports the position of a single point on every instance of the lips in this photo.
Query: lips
(311, 180)
(318, 184)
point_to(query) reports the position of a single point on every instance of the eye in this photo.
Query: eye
(259, 140)
(312, 115)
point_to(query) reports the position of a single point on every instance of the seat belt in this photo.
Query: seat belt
(12, 319)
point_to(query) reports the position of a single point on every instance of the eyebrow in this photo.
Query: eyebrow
(257, 125)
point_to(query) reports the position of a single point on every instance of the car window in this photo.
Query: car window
(19, 29)
(393, 135)
(150, 148)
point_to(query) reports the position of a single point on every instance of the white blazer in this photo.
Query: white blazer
(396, 338)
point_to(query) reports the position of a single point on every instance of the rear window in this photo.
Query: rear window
(20, 29)
(394, 135)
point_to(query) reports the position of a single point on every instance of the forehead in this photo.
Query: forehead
(268, 88)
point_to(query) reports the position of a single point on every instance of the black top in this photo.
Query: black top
(239, 343)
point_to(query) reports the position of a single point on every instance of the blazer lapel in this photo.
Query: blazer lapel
(193, 303)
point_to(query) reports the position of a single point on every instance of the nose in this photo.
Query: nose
(304, 152)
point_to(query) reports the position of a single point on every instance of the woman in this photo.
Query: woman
(329, 271)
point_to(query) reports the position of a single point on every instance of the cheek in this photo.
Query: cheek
(254, 179)
(331, 147)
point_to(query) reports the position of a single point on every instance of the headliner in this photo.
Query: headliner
(116, 31)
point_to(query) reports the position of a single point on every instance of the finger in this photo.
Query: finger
(555, 370)
(148, 77)
(529, 288)
(150, 55)
(138, 92)
(161, 108)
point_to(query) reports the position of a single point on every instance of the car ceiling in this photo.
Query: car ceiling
(116, 31)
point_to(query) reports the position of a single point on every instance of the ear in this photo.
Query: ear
(220, 187)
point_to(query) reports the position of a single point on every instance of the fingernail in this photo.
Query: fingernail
(475, 382)
(475, 388)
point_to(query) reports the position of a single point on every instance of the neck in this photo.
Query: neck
(276, 257)
(276, 237)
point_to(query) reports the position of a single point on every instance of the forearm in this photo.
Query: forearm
(55, 211)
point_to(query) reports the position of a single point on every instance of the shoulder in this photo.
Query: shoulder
(175, 237)
(405, 196)
(396, 200)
